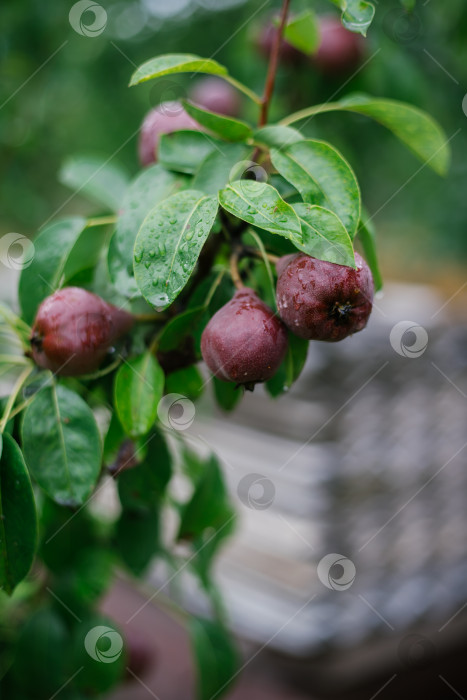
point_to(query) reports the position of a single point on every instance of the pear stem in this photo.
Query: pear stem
(234, 272)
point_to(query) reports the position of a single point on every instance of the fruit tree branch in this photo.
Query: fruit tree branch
(273, 63)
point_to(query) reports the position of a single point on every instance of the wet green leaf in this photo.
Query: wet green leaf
(61, 444)
(357, 15)
(169, 243)
(261, 205)
(229, 128)
(322, 176)
(101, 181)
(151, 186)
(175, 63)
(18, 522)
(183, 151)
(324, 236)
(139, 385)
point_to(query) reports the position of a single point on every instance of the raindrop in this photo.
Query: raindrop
(139, 256)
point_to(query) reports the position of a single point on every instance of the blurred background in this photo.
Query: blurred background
(364, 458)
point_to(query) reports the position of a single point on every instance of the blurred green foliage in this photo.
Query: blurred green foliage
(65, 94)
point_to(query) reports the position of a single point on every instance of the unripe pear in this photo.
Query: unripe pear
(320, 300)
(164, 119)
(215, 95)
(74, 330)
(244, 342)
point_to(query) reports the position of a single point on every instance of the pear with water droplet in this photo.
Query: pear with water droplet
(320, 300)
(74, 330)
(244, 342)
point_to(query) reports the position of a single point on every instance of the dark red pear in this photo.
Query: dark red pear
(244, 342)
(215, 95)
(340, 51)
(164, 119)
(320, 300)
(265, 41)
(74, 330)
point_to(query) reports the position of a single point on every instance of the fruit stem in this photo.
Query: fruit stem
(234, 273)
(144, 318)
(101, 221)
(254, 252)
(273, 63)
(12, 398)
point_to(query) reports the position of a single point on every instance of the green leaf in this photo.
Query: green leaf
(324, 236)
(357, 15)
(227, 394)
(184, 150)
(175, 63)
(101, 181)
(322, 176)
(169, 243)
(412, 126)
(215, 171)
(18, 522)
(416, 129)
(215, 655)
(291, 368)
(42, 655)
(179, 328)
(150, 187)
(187, 382)
(137, 538)
(208, 506)
(63, 538)
(277, 136)
(142, 487)
(261, 205)
(139, 385)
(367, 237)
(61, 444)
(53, 246)
(302, 31)
(230, 129)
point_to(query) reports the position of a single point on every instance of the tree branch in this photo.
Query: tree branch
(273, 63)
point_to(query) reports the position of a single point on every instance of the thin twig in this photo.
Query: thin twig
(234, 273)
(273, 63)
